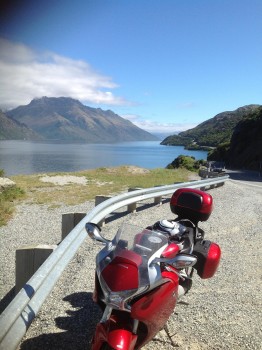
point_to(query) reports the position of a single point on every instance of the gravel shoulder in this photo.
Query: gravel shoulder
(221, 313)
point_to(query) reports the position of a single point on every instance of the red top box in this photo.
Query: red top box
(191, 204)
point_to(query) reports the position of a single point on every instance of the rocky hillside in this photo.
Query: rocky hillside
(10, 129)
(212, 132)
(66, 119)
(245, 149)
(235, 137)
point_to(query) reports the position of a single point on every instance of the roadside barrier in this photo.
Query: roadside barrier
(19, 314)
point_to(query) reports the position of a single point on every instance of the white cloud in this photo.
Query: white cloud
(26, 74)
(152, 126)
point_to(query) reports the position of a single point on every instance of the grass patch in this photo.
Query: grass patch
(8, 199)
(100, 181)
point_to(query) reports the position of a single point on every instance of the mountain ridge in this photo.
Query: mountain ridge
(213, 131)
(67, 119)
(235, 137)
(11, 129)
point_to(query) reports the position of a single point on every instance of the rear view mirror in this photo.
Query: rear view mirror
(93, 231)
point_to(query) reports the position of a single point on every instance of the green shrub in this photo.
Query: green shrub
(187, 162)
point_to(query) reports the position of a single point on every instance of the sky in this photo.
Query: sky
(166, 65)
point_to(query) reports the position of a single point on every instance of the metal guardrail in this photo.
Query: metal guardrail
(17, 317)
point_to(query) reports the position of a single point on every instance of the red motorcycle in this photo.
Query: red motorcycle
(142, 272)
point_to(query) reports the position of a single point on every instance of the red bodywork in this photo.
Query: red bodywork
(212, 261)
(152, 309)
(124, 269)
(155, 308)
(171, 251)
(208, 257)
(110, 333)
(191, 204)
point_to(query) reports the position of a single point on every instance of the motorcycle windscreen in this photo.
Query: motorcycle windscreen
(125, 264)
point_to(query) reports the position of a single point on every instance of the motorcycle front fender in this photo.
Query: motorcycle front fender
(116, 338)
(122, 339)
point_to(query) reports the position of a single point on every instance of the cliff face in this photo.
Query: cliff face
(67, 119)
(245, 150)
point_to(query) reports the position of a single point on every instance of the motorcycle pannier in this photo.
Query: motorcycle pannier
(191, 204)
(208, 257)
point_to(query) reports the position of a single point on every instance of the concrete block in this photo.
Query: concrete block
(69, 221)
(28, 260)
(98, 200)
(158, 200)
(131, 208)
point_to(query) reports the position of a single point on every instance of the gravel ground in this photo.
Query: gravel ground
(221, 313)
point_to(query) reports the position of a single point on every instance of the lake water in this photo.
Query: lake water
(24, 157)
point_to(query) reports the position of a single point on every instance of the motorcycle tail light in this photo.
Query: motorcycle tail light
(191, 204)
(208, 257)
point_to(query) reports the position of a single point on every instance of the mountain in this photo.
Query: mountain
(10, 129)
(66, 119)
(245, 150)
(212, 132)
(160, 135)
(245, 147)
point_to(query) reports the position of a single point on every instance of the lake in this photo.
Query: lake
(24, 157)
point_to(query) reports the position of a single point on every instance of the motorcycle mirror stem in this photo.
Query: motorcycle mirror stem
(180, 261)
(93, 231)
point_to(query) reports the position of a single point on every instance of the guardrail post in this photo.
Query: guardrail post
(99, 199)
(28, 260)
(69, 221)
(131, 208)
(158, 199)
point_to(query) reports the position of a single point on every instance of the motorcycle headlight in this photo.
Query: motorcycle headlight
(118, 300)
